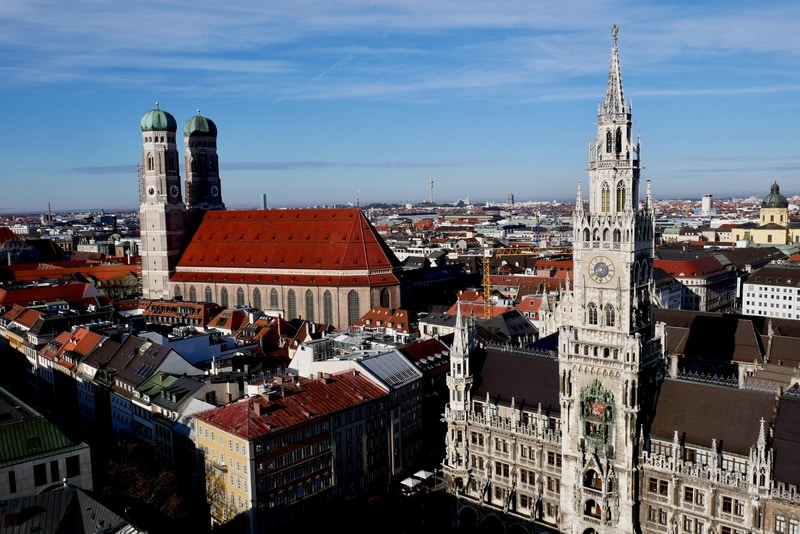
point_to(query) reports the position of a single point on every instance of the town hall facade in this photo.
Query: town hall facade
(597, 432)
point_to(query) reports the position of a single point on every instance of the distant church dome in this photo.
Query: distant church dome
(158, 120)
(199, 125)
(775, 199)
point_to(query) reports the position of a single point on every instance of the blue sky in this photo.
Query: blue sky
(322, 102)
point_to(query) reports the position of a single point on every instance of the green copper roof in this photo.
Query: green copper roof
(775, 199)
(158, 120)
(199, 125)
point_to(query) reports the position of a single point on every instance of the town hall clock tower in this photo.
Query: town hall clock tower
(608, 352)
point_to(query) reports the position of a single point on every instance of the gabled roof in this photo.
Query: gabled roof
(69, 348)
(65, 509)
(734, 339)
(293, 244)
(137, 359)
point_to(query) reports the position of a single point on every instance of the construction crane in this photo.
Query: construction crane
(488, 253)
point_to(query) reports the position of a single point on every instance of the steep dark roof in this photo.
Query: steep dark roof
(529, 379)
(700, 413)
(786, 442)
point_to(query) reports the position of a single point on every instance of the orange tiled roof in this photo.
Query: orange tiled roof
(261, 246)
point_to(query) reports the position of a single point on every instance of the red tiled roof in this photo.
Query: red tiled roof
(6, 234)
(73, 292)
(695, 268)
(396, 319)
(257, 416)
(242, 245)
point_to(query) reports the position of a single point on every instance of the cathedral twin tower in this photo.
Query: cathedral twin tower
(166, 221)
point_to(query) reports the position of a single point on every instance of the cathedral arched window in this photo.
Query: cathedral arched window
(209, 295)
(592, 313)
(353, 309)
(257, 299)
(385, 298)
(240, 297)
(291, 304)
(605, 234)
(617, 235)
(177, 292)
(327, 307)
(608, 141)
(309, 305)
(223, 297)
(150, 164)
(273, 299)
(611, 315)
(192, 294)
(586, 234)
(618, 142)
(605, 198)
(620, 196)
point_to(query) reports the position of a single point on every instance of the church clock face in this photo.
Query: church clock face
(601, 269)
(174, 191)
(214, 191)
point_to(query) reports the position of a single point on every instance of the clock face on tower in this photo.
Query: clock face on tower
(174, 191)
(214, 190)
(601, 269)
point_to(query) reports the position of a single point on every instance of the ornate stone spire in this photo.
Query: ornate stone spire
(461, 335)
(615, 100)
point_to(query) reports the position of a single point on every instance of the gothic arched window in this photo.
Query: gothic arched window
(608, 141)
(605, 198)
(327, 307)
(257, 299)
(223, 297)
(209, 295)
(620, 196)
(618, 142)
(385, 298)
(273, 299)
(309, 305)
(240, 297)
(291, 304)
(177, 292)
(592, 313)
(611, 315)
(353, 310)
(192, 294)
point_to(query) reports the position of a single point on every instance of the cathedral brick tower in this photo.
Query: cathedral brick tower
(162, 213)
(203, 186)
(608, 354)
